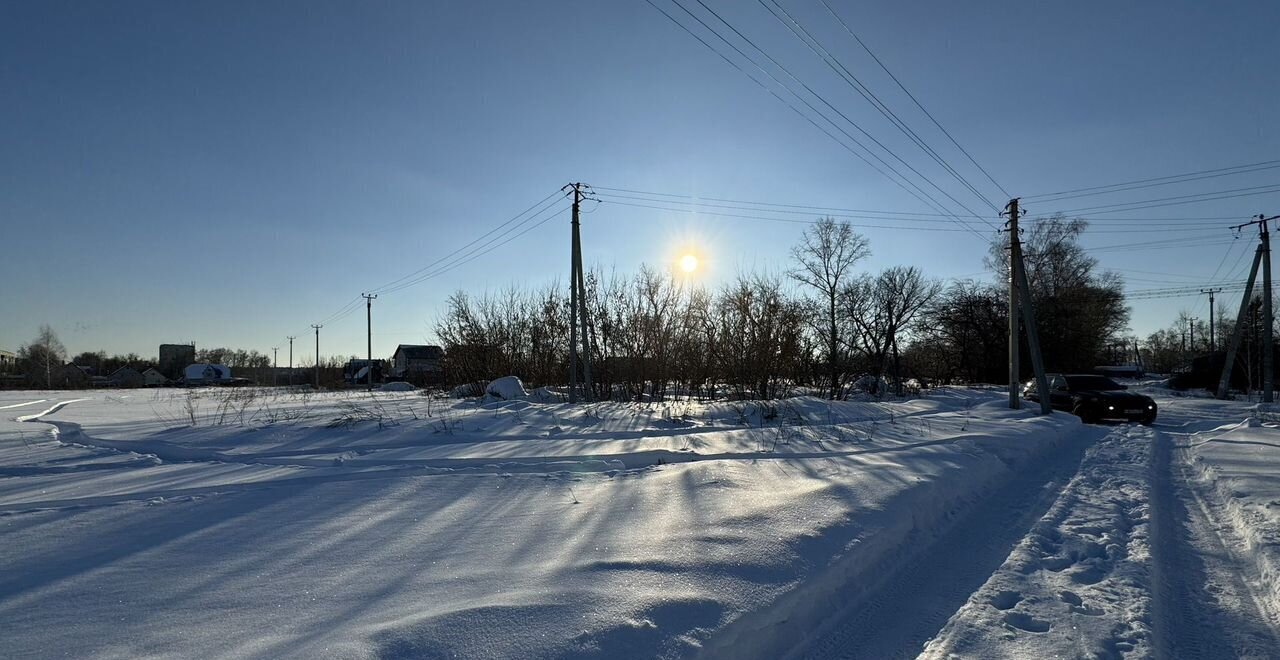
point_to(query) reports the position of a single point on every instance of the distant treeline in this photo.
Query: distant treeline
(820, 324)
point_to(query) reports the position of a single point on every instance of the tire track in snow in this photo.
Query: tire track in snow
(1205, 605)
(23, 405)
(916, 596)
(52, 409)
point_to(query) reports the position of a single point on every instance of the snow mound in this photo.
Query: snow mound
(506, 388)
(397, 387)
(467, 390)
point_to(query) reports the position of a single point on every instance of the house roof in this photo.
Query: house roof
(124, 371)
(419, 352)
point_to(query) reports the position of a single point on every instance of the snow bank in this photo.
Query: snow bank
(397, 387)
(507, 388)
(467, 390)
(1240, 465)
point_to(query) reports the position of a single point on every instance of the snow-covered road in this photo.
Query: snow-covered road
(1141, 555)
(350, 526)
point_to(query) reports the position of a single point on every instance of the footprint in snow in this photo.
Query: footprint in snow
(1006, 600)
(1026, 622)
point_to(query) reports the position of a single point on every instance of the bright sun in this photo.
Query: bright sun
(688, 263)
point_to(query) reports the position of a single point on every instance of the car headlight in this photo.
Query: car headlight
(1111, 407)
(1151, 407)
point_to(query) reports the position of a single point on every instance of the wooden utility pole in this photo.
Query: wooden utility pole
(291, 360)
(368, 316)
(578, 305)
(1213, 344)
(275, 365)
(317, 328)
(1191, 332)
(1015, 264)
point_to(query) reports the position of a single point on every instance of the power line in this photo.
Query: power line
(903, 217)
(1266, 164)
(918, 193)
(656, 201)
(1198, 278)
(503, 229)
(784, 220)
(921, 195)
(1205, 221)
(1154, 185)
(1142, 247)
(473, 242)
(853, 81)
(827, 103)
(478, 251)
(913, 98)
(1170, 201)
(1225, 255)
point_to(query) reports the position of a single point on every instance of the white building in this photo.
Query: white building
(206, 374)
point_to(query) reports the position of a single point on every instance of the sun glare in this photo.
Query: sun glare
(688, 263)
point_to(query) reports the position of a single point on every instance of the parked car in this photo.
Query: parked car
(1095, 398)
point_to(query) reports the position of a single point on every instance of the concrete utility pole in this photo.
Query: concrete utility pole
(368, 308)
(1027, 306)
(1262, 257)
(291, 360)
(1213, 344)
(275, 365)
(1015, 263)
(317, 328)
(578, 305)
(1268, 321)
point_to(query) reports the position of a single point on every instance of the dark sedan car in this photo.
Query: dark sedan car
(1095, 398)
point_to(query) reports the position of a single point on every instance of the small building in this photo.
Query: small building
(71, 377)
(8, 362)
(206, 374)
(153, 378)
(126, 377)
(418, 364)
(358, 371)
(173, 357)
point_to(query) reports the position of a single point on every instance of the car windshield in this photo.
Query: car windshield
(1092, 383)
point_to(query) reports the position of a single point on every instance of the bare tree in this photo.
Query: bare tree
(880, 309)
(42, 356)
(825, 256)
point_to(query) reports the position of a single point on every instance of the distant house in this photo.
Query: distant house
(8, 361)
(72, 377)
(206, 374)
(153, 378)
(126, 377)
(418, 364)
(358, 370)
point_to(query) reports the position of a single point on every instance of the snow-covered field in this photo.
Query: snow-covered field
(261, 523)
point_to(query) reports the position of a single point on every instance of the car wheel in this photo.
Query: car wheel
(1086, 414)
(1148, 420)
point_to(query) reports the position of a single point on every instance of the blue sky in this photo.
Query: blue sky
(228, 173)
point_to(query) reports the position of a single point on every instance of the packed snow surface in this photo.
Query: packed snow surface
(273, 523)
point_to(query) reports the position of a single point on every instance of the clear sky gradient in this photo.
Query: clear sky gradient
(228, 173)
